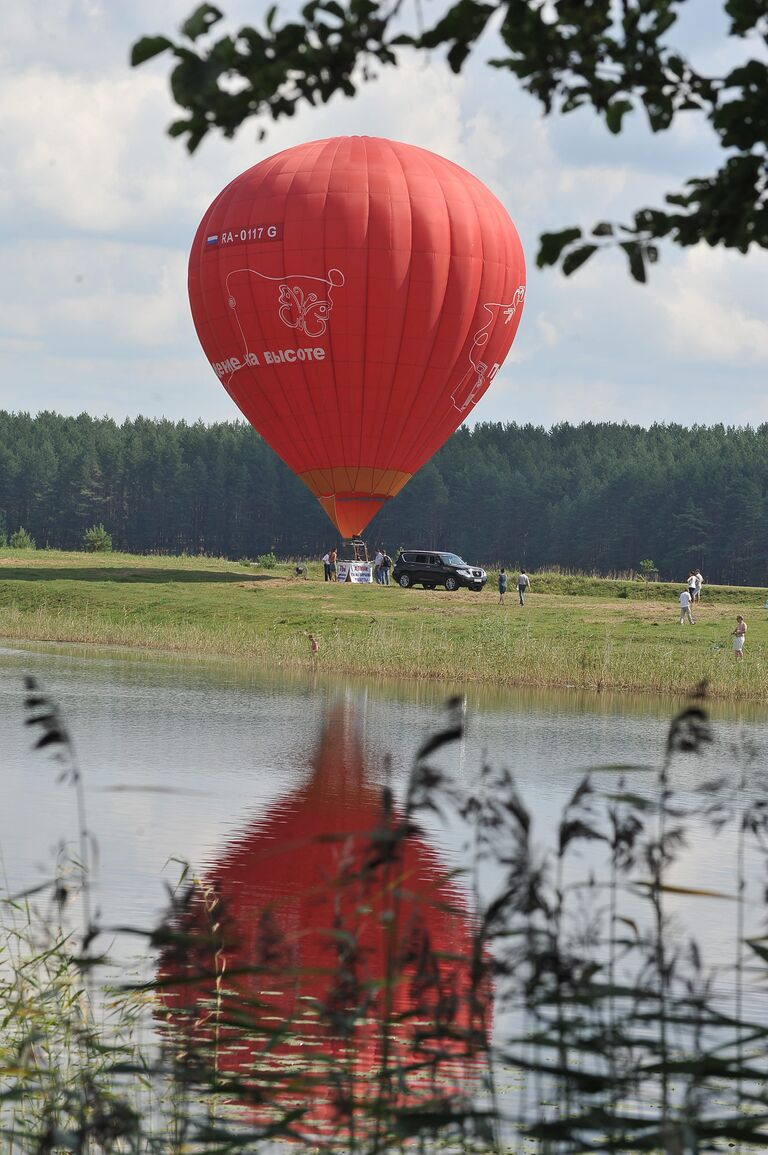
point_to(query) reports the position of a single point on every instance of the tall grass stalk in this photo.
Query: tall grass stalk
(614, 1016)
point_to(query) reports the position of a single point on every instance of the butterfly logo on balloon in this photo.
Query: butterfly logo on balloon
(477, 378)
(300, 305)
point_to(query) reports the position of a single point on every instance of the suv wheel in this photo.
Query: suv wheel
(451, 583)
(404, 580)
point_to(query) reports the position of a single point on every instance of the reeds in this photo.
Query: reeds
(424, 1003)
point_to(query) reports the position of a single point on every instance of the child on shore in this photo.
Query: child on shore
(685, 607)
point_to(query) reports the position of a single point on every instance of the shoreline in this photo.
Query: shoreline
(573, 634)
(298, 667)
(599, 700)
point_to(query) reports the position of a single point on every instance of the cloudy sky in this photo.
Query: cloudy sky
(99, 208)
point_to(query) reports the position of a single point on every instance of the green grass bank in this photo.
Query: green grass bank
(589, 633)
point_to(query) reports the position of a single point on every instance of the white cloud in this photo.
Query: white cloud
(710, 307)
(91, 157)
(99, 207)
(549, 331)
(75, 292)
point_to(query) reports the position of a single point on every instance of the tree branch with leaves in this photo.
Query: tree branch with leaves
(568, 54)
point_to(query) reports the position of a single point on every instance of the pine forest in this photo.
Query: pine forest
(597, 498)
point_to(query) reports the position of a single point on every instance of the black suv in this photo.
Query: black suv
(431, 568)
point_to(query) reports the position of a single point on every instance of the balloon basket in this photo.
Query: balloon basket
(355, 567)
(355, 549)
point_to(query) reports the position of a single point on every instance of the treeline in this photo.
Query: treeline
(593, 497)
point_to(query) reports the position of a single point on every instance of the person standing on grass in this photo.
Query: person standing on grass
(332, 565)
(685, 607)
(692, 586)
(523, 584)
(386, 566)
(739, 636)
(699, 584)
(502, 585)
(327, 566)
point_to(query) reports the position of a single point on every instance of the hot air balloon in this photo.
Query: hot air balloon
(356, 297)
(337, 950)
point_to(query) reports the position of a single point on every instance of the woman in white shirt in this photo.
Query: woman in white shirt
(739, 636)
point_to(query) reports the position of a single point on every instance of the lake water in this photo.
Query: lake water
(235, 771)
(179, 756)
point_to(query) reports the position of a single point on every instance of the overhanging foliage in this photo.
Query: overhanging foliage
(618, 59)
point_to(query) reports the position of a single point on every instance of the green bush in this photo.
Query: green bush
(21, 540)
(266, 561)
(97, 540)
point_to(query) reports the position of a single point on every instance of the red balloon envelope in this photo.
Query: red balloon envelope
(356, 296)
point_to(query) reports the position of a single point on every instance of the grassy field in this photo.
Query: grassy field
(589, 633)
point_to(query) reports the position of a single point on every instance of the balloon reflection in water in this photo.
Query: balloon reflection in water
(324, 965)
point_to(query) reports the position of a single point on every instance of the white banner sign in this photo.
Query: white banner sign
(354, 571)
